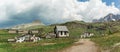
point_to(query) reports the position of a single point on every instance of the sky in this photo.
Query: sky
(14, 12)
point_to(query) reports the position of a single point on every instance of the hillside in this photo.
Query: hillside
(77, 28)
(98, 27)
(106, 36)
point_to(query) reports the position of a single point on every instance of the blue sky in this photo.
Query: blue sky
(108, 2)
(117, 2)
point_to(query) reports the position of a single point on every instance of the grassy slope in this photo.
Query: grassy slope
(107, 42)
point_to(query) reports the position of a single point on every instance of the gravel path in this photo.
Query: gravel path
(83, 45)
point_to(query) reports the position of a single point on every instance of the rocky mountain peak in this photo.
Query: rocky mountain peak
(109, 17)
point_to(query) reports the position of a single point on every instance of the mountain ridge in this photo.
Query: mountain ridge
(109, 17)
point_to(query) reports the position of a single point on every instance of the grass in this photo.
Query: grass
(116, 49)
(4, 35)
(37, 46)
(60, 43)
(76, 32)
(45, 48)
(2, 50)
(107, 42)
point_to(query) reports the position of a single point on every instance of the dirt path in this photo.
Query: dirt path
(83, 45)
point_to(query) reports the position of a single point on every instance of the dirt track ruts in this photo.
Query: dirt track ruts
(83, 45)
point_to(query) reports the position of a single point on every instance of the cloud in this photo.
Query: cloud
(14, 12)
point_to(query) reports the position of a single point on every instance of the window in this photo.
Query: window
(61, 33)
(65, 33)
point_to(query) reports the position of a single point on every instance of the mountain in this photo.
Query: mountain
(28, 25)
(109, 17)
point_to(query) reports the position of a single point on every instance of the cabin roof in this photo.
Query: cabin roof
(61, 28)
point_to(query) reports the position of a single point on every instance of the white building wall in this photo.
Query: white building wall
(63, 34)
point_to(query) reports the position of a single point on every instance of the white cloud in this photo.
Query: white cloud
(55, 11)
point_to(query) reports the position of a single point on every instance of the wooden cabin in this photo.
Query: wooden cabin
(61, 31)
